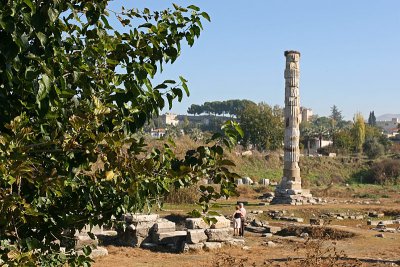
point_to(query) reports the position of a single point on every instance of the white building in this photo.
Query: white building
(157, 133)
(170, 119)
(306, 114)
(389, 127)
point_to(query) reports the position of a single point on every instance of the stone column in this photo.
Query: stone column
(291, 171)
(289, 191)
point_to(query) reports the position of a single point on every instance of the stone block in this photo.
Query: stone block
(96, 252)
(234, 242)
(138, 218)
(196, 236)
(164, 226)
(192, 247)
(267, 235)
(219, 235)
(316, 221)
(272, 229)
(222, 222)
(82, 241)
(196, 223)
(247, 181)
(238, 181)
(208, 246)
(171, 237)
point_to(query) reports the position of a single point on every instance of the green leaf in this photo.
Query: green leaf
(194, 214)
(87, 250)
(178, 92)
(193, 7)
(53, 14)
(42, 38)
(30, 4)
(213, 213)
(206, 16)
(184, 85)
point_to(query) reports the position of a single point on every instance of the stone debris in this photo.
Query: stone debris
(270, 244)
(247, 181)
(272, 229)
(264, 182)
(160, 234)
(235, 242)
(257, 211)
(196, 223)
(238, 181)
(385, 222)
(316, 221)
(195, 236)
(343, 215)
(219, 235)
(375, 214)
(304, 235)
(176, 238)
(208, 246)
(268, 235)
(267, 197)
(83, 239)
(280, 215)
(192, 247)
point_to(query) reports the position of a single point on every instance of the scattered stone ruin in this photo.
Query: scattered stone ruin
(153, 232)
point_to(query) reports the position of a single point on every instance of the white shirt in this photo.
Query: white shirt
(243, 211)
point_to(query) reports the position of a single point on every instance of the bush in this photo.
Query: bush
(373, 149)
(384, 172)
(187, 195)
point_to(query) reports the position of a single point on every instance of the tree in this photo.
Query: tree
(372, 118)
(358, 132)
(336, 116)
(195, 109)
(262, 128)
(69, 150)
(343, 141)
(373, 149)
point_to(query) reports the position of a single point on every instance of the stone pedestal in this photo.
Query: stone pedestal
(289, 191)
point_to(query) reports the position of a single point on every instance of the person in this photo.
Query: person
(242, 218)
(237, 221)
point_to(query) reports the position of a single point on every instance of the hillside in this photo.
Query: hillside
(315, 170)
(387, 117)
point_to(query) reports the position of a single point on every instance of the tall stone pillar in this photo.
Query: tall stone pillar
(291, 171)
(289, 191)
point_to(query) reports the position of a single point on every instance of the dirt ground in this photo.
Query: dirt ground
(364, 249)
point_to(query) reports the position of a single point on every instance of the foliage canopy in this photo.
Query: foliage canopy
(73, 93)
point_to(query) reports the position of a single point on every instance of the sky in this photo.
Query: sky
(350, 53)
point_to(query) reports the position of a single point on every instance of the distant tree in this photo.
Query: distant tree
(195, 109)
(322, 122)
(321, 132)
(372, 118)
(358, 132)
(336, 116)
(373, 149)
(307, 133)
(343, 141)
(262, 128)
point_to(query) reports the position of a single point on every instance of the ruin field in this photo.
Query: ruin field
(358, 230)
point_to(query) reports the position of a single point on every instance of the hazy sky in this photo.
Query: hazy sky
(350, 53)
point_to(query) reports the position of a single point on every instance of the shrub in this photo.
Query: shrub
(373, 149)
(187, 195)
(384, 172)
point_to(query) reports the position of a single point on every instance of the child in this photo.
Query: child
(236, 221)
